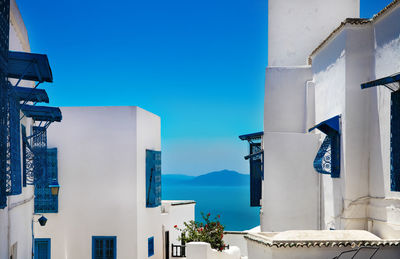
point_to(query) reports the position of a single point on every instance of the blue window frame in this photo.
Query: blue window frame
(395, 142)
(45, 202)
(256, 175)
(150, 246)
(42, 248)
(104, 247)
(327, 160)
(153, 178)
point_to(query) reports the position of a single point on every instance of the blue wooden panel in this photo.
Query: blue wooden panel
(45, 202)
(14, 180)
(24, 155)
(395, 142)
(256, 175)
(42, 248)
(104, 247)
(153, 178)
(4, 41)
(150, 246)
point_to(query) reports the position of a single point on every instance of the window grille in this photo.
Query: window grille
(4, 39)
(104, 247)
(153, 178)
(395, 142)
(13, 172)
(45, 202)
(327, 160)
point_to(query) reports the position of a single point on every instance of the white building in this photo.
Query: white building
(318, 59)
(106, 158)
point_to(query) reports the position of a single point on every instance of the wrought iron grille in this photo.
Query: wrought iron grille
(4, 39)
(322, 162)
(39, 147)
(13, 170)
(327, 160)
(45, 202)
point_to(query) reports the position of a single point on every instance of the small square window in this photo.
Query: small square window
(150, 246)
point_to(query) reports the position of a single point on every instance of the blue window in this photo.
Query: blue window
(45, 202)
(104, 247)
(395, 142)
(327, 160)
(150, 246)
(256, 175)
(153, 178)
(42, 248)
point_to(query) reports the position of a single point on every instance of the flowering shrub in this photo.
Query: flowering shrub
(211, 232)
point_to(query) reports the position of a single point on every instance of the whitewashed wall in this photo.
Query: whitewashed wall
(285, 99)
(16, 218)
(176, 213)
(290, 186)
(385, 208)
(296, 27)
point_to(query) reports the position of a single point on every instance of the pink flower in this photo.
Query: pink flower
(175, 226)
(208, 214)
(218, 216)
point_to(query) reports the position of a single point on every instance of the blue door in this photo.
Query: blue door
(42, 248)
(104, 247)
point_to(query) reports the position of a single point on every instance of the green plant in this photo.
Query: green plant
(211, 231)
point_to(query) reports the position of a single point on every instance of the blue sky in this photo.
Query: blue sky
(198, 64)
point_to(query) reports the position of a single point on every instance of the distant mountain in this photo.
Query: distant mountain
(175, 179)
(218, 178)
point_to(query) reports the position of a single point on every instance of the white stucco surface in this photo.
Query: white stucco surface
(295, 27)
(290, 186)
(285, 99)
(201, 250)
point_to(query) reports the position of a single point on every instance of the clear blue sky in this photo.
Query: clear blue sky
(198, 64)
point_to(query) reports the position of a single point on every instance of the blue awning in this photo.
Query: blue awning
(392, 82)
(31, 94)
(252, 136)
(328, 126)
(42, 113)
(29, 66)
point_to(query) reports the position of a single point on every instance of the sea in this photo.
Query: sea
(232, 203)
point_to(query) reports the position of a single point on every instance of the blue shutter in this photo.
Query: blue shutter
(153, 178)
(24, 155)
(256, 175)
(104, 247)
(150, 246)
(45, 202)
(42, 248)
(395, 142)
(14, 146)
(4, 40)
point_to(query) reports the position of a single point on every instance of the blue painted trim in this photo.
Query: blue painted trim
(329, 126)
(45, 240)
(114, 238)
(381, 81)
(150, 246)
